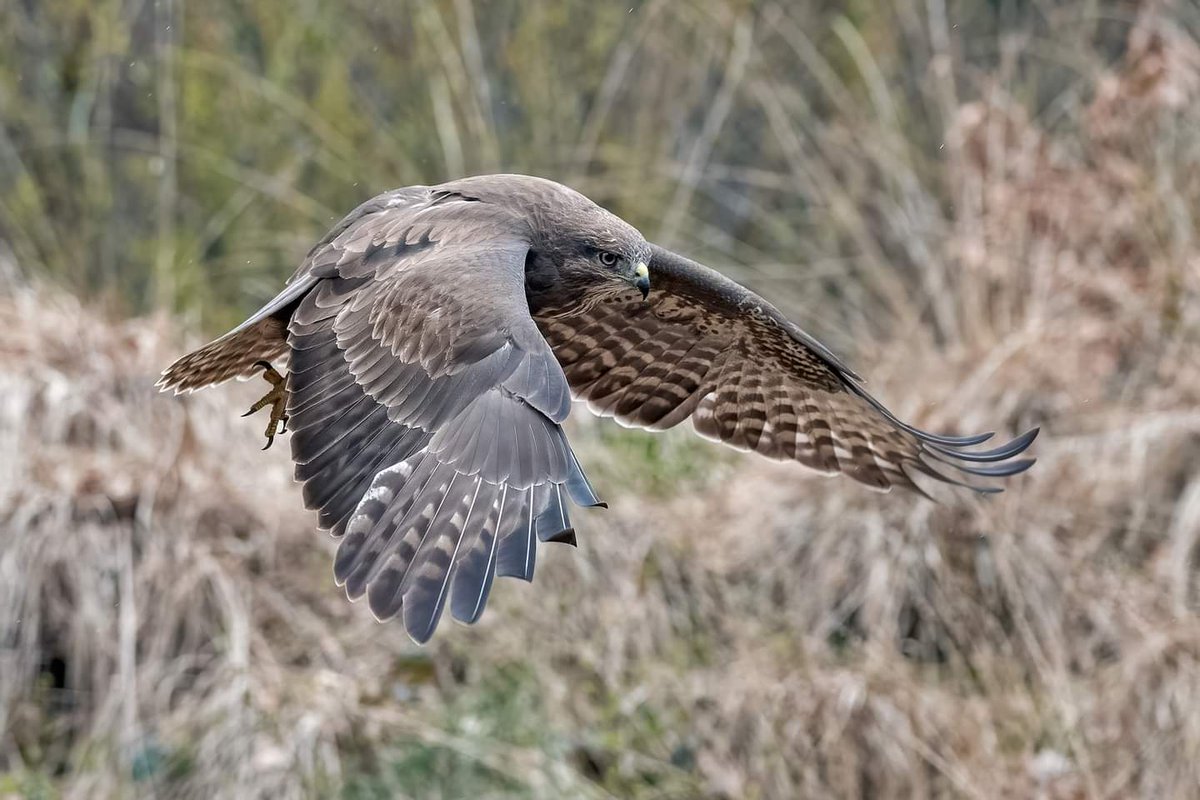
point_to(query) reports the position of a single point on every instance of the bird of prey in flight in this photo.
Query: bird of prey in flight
(436, 337)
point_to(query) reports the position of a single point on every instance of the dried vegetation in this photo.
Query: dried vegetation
(169, 626)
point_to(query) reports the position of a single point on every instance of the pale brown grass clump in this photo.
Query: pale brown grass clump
(169, 625)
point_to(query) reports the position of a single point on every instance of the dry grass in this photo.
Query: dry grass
(169, 627)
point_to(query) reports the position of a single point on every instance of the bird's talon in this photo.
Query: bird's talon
(276, 399)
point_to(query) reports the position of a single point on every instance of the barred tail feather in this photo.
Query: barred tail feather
(232, 356)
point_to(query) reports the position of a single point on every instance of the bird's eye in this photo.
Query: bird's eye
(608, 259)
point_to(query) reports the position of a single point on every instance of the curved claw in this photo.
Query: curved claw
(276, 398)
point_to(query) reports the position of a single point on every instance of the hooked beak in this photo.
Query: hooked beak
(641, 279)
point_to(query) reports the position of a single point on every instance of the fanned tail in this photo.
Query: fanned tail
(232, 356)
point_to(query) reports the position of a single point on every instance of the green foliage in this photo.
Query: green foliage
(629, 461)
(27, 785)
(496, 739)
(502, 713)
(184, 156)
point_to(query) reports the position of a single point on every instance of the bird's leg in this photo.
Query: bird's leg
(276, 399)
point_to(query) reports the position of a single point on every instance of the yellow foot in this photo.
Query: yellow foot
(276, 399)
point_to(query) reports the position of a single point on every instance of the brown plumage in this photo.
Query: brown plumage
(436, 336)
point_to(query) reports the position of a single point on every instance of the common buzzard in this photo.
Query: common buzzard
(436, 337)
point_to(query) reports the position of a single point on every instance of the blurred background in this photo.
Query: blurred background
(989, 207)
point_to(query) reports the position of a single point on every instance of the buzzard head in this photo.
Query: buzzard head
(586, 257)
(601, 266)
(579, 253)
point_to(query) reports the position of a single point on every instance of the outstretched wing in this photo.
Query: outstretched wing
(425, 408)
(704, 347)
